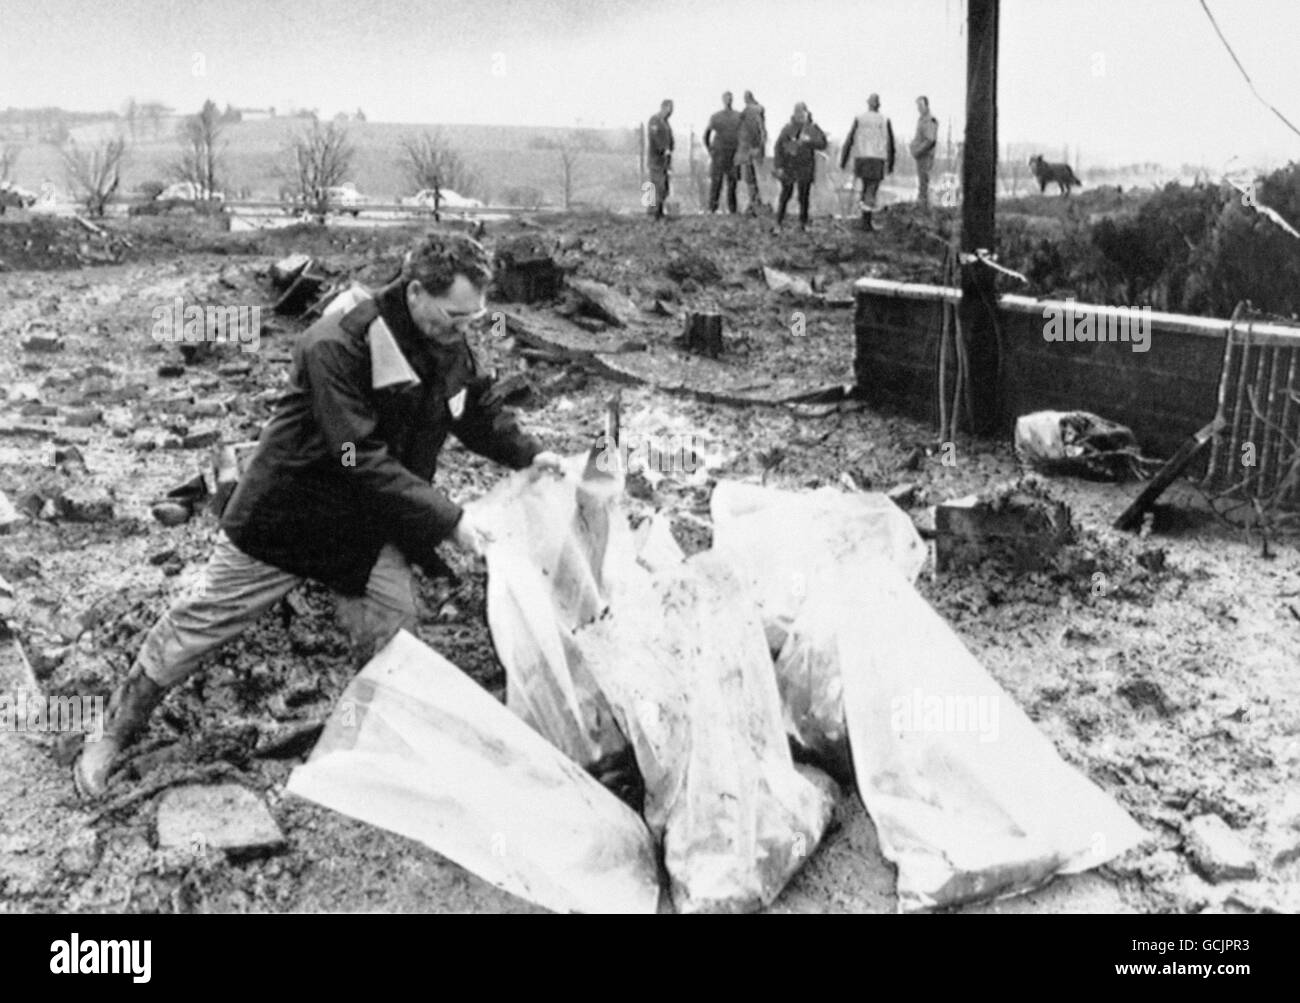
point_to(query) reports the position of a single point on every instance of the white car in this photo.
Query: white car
(345, 198)
(19, 198)
(188, 191)
(445, 199)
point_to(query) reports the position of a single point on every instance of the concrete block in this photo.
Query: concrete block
(1020, 529)
(223, 816)
(1217, 852)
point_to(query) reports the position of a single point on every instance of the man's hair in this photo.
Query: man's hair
(925, 99)
(749, 96)
(437, 258)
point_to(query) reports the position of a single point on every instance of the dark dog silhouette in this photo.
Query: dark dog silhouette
(1047, 173)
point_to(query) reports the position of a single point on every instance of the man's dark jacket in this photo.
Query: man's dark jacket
(795, 154)
(660, 142)
(722, 137)
(343, 468)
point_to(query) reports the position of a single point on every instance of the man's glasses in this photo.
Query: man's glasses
(462, 320)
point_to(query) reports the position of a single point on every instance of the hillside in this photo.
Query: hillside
(501, 156)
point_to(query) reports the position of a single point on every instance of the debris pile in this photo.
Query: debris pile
(1018, 524)
(1143, 665)
(50, 242)
(1078, 443)
(526, 272)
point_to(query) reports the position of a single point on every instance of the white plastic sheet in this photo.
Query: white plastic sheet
(416, 747)
(970, 800)
(547, 577)
(782, 542)
(686, 668)
(607, 635)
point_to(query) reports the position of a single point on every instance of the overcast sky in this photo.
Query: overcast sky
(1119, 79)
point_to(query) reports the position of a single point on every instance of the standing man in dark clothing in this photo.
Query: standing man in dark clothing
(795, 162)
(340, 488)
(659, 156)
(721, 139)
(922, 149)
(751, 147)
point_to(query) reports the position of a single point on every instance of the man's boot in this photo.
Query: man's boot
(866, 220)
(128, 713)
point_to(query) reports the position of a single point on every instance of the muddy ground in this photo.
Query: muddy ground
(1164, 665)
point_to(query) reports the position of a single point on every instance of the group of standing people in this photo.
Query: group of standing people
(737, 144)
(736, 140)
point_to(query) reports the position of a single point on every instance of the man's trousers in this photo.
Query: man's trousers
(237, 589)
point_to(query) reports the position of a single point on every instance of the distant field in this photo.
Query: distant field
(607, 176)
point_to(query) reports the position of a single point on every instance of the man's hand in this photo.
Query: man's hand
(548, 462)
(469, 536)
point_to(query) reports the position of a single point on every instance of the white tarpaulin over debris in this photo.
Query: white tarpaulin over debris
(417, 747)
(589, 636)
(968, 798)
(683, 661)
(782, 542)
(802, 622)
(547, 576)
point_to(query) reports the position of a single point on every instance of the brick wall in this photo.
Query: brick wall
(1163, 394)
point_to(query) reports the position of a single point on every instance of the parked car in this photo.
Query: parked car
(12, 195)
(427, 198)
(346, 198)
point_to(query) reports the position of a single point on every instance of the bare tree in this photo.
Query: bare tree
(432, 163)
(94, 170)
(8, 158)
(317, 159)
(201, 150)
(568, 150)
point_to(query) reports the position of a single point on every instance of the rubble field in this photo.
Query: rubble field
(1161, 664)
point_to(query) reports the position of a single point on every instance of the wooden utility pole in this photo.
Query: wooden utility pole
(979, 177)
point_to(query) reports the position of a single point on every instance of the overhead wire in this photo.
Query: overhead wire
(1250, 83)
